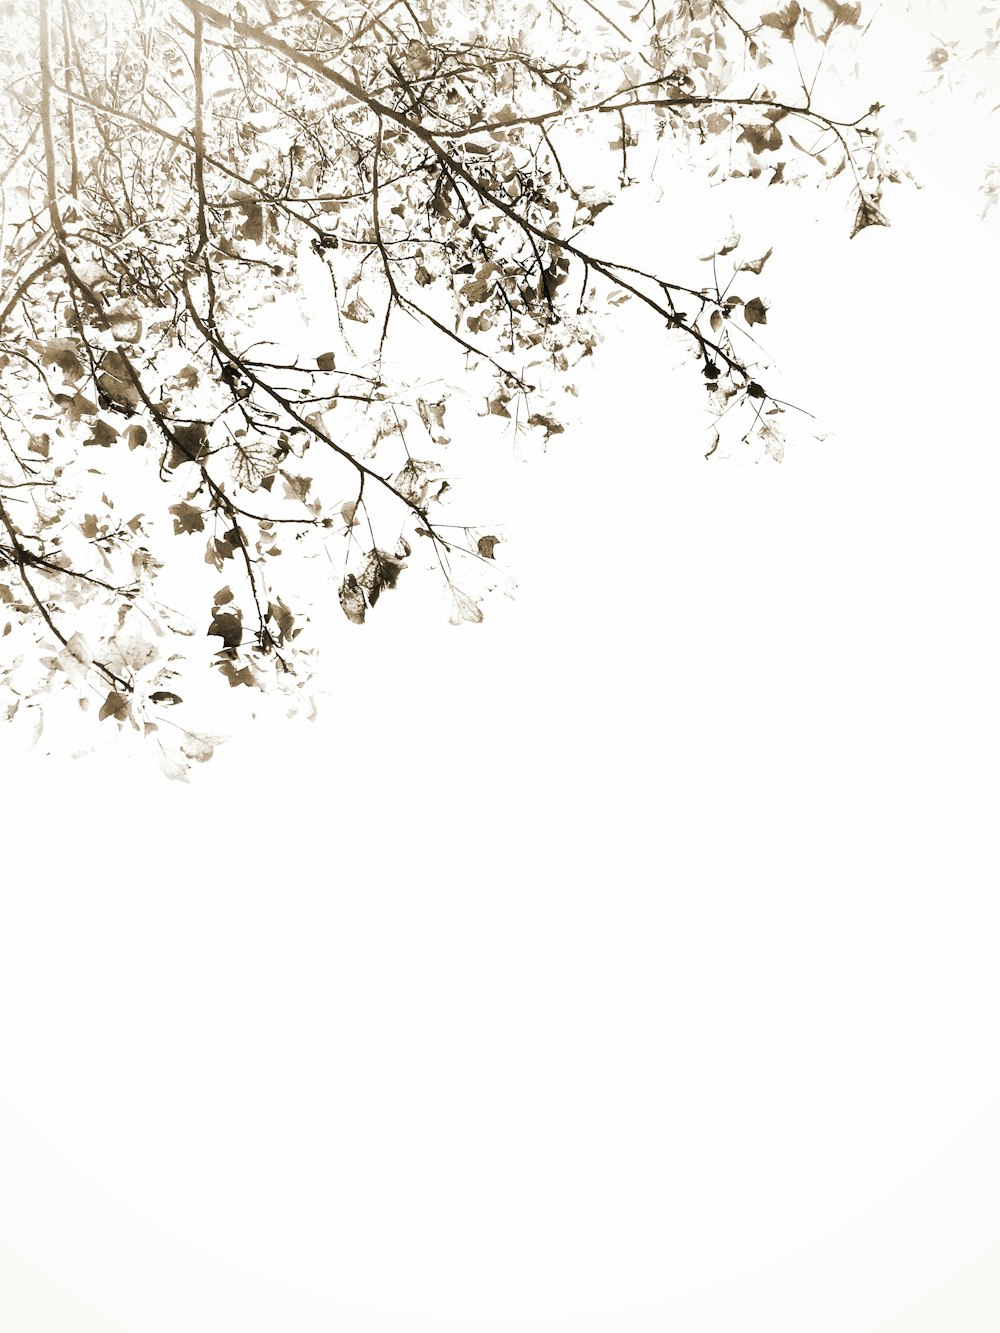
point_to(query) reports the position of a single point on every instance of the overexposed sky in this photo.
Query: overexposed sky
(626, 960)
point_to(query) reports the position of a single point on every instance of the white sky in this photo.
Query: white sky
(632, 951)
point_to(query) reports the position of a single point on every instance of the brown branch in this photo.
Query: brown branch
(24, 286)
(199, 132)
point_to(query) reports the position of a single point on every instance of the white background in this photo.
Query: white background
(626, 961)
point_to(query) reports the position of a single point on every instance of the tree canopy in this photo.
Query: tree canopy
(178, 174)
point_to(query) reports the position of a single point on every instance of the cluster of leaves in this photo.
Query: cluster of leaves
(970, 60)
(177, 174)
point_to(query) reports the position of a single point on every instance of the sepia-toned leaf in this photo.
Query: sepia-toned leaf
(465, 609)
(784, 20)
(352, 600)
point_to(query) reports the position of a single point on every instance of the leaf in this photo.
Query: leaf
(729, 246)
(283, 618)
(848, 15)
(432, 415)
(102, 433)
(380, 570)
(352, 600)
(756, 266)
(549, 424)
(115, 382)
(189, 443)
(228, 626)
(358, 310)
(784, 20)
(172, 767)
(755, 312)
(477, 289)
(235, 676)
(200, 748)
(116, 706)
(135, 436)
(726, 248)
(165, 697)
(63, 352)
(414, 479)
(252, 228)
(78, 647)
(466, 609)
(133, 649)
(77, 406)
(255, 460)
(296, 487)
(326, 361)
(868, 215)
(486, 546)
(126, 324)
(766, 138)
(187, 518)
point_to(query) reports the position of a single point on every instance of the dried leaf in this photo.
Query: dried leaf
(756, 266)
(115, 382)
(63, 352)
(116, 706)
(380, 570)
(868, 215)
(352, 600)
(432, 415)
(784, 20)
(848, 15)
(766, 138)
(548, 424)
(358, 310)
(200, 748)
(466, 609)
(726, 248)
(414, 480)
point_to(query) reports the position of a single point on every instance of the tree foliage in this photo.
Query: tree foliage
(176, 174)
(969, 60)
